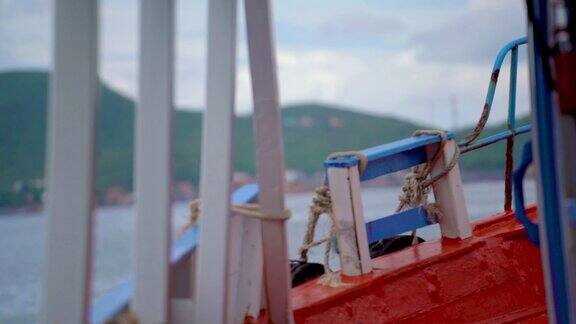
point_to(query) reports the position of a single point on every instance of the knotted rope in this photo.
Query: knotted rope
(417, 183)
(125, 317)
(473, 135)
(414, 193)
(322, 205)
(246, 210)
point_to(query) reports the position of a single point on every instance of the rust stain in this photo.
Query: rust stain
(494, 76)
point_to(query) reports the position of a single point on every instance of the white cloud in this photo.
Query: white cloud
(475, 35)
(24, 33)
(389, 58)
(397, 84)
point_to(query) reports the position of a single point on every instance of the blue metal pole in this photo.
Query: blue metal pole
(512, 90)
(511, 46)
(543, 110)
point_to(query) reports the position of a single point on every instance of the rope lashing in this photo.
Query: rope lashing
(246, 210)
(322, 205)
(255, 211)
(508, 171)
(417, 183)
(414, 193)
(125, 317)
(473, 135)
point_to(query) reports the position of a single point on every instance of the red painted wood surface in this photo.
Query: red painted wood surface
(495, 276)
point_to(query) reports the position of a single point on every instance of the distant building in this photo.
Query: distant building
(117, 196)
(293, 176)
(184, 190)
(306, 121)
(335, 122)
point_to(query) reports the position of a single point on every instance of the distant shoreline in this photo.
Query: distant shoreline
(24, 211)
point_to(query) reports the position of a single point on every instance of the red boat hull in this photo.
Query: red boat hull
(495, 276)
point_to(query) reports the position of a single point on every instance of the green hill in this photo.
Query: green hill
(311, 132)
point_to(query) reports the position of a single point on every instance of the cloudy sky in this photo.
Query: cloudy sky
(415, 59)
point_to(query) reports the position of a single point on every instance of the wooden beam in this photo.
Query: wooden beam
(153, 163)
(212, 284)
(269, 157)
(359, 222)
(71, 134)
(348, 213)
(249, 296)
(449, 194)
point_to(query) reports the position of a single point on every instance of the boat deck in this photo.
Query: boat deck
(495, 276)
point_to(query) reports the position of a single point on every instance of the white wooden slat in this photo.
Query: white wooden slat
(73, 102)
(249, 296)
(182, 310)
(359, 222)
(353, 248)
(235, 242)
(269, 157)
(449, 194)
(212, 287)
(153, 162)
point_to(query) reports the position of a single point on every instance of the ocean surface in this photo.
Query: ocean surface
(22, 238)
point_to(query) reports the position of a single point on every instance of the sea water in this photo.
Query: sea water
(22, 238)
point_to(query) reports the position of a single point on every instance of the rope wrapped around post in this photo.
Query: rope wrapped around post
(417, 183)
(414, 193)
(322, 205)
(246, 210)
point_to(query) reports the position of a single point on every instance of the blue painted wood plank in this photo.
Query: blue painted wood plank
(395, 224)
(390, 157)
(112, 302)
(245, 194)
(120, 296)
(185, 244)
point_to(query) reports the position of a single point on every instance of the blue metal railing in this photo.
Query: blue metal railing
(469, 143)
(117, 299)
(391, 157)
(496, 138)
(386, 159)
(512, 47)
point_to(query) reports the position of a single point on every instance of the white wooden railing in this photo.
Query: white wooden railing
(232, 252)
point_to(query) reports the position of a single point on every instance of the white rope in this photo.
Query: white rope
(247, 210)
(414, 193)
(417, 183)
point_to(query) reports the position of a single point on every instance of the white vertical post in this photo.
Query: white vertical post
(153, 163)
(449, 195)
(235, 243)
(269, 157)
(212, 288)
(73, 102)
(249, 294)
(349, 215)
